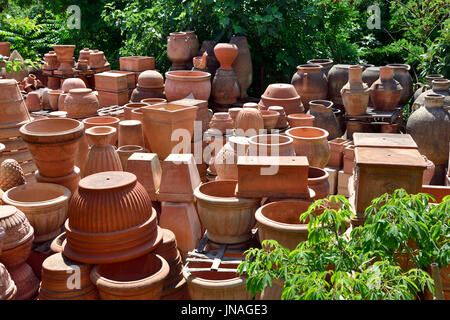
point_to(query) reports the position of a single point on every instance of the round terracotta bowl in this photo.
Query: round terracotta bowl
(53, 144)
(270, 119)
(44, 204)
(121, 224)
(300, 120)
(138, 279)
(318, 181)
(271, 145)
(132, 106)
(182, 83)
(152, 101)
(227, 219)
(57, 243)
(280, 221)
(103, 121)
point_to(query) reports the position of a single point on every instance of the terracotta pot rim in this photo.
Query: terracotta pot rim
(100, 131)
(320, 60)
(252, 139)
(159, 99)
(62, 135)
(263, 97)
(187, 75)
(213, 284)
(63, 197)
(325, 133)
(301, 116)
(269, 113)
(80, 91)
(177, 33)
(223, 200)
(136, 105)
(328, 104)
(324, 174)
(310, 66)
(400, 66)
(440, 80)
(114, 120)
(63, 46)
(286, 227)
(130, 147)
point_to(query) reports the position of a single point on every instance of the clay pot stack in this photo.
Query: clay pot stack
(225, 86)
(282, 94)
(150, 85)
(112, 89)
(64, 55)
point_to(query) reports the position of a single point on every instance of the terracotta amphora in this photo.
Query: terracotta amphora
(439, 86)
(386, 91)
(178, 50)
(355, 93)
(337, 78)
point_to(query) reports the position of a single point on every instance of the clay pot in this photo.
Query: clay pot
(312, 143)
(129, 107)
(18, 237)
(121, 224)
(401, 74)
(271, 145)
(300, 120)
(101, 156)
(139, 94)
(325, 63)
(178, 50)
(70, 181)
(150, 79)
(53, 144)
(72, 83)
(386, 92)
(270, 119)
(324, 117)
(233, 114)
(152, 101)
(8, 288)
(225, 161)
(355, 93)
(242, 65)
(280, 221)
(33, 101)
(44, 204)
(14, 109)
(226, 53)
(199, 63)
(222, 121)
(310, 83)
(428, 84)
(282, 94)
(282, 120)
(318, 181)
(131, 131)
(181, 84)
(57, 271)
(103, 121)
(5, 50)
(53, 97)
(61, 100)
(126, 151)
(337, 78)
(249, 122)
(97, 59)
(84, 54)
(429, 171)
(193, 43)
(370, 75)
(81, 103)
(64, 53)
(26, 282)
(439, 86)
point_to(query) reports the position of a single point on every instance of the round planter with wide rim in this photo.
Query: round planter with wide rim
(318, 181)
(300, 120)
(271, 145)
(44, 204)
(81, 103)
(312, 143)
(103, 121)
(180, 84)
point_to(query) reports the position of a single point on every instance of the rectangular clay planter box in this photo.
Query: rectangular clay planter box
(202, 111)
(337, 147)
(148, 171)
(438, 192)
(384, 140)
(137, 63)
(109, 81)
(349, 157)
(257, 180)
(107, 98)
(383, 170)
(131, 78)
(332, 178)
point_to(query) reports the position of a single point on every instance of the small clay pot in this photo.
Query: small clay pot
(221, 121)
(132, 106)
(282, 120)
(53, 97)
(131, 133)
(126, 151)
(81, 103)
(249, 122)
(270, 119)
(282, 94)
(300, 120)
(33, 101)
(152, 101)
(103, 121)
(318, 181)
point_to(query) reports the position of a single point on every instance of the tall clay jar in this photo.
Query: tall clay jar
(178, 50)
(324, 117)
(310, 83)
(337, 78)
(312, 143)
(193, 43)
(401, 74)
(225, 86)
(242, 65)
(386, 91)
(355, 93)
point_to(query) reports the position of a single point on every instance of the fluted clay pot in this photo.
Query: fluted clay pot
(53, 144)
(310, 83)
(318, 181)
(439, 86)
(429, 171)
(72, 83)
(312, 143)
(138, 279)
(70, 181)
(8, 289)
(282, 94)
(26, 281)
(227, 219)
(222, 121)
(57, 271)
(249, 122)
(81, 103)
(300, 120)
(355, 93)
(324, 117)
(428, 84)
(101, 156)
(282, 121)
(271, 145)
(126, 151)
(242, 65)
(53, 97)
(225, 161)
(44, 204)
(325, 63)
(337, 78)
(121, 224)
(181, 84)
(178, 50)
(402, 75)
(386, 91)
(103, 121)
(270, 119)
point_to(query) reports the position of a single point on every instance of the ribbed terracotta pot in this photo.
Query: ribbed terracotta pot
(53, 144)
(300, 120)
(242, 65)
(81, 103)
(225, 161)
(8, 289)
(227, 219)
(249, 122)
(386, 91)
(312, 143)
(310, 83)
(138, 279)
(44, 204)
(103, 121)
(318, 181)
(181, 84)
(271, 145)
(111, 219)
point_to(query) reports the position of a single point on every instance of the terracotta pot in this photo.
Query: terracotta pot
(33, 101)
(138, 279)
(129, 107)
(324, 117)
(14, 109)
(84, 54)
(252, 105)
(57, 272)
(152, 101)
(97, 59)
(318, 181)
(355, 93)
(53, 97)
(72, 83)
(282, 94)
(8, 289)
(131, 132)
(325, 63)
(199, 63)
(178, 50)
(270, 119)
(428, 84)
(337, 78)
(386, 92)
(225, 87)
(101, 156)
(225, 161)
(26, 282)
(53, 144)
(227, 219)
(401, 74)
(439, 86)
(337, 147)
(282, 122)
(249, 122)
(64, 53)
(429, 171)
(310, 83)
(233, 114)
(121, 224)
(81, 103)
(160, 121)
(150, 85)
(181, 84)
(5, 48)
(300, 120)
(103, 121)
(70, 181)
(126, 151)
(271, 145)
(312, 143)
(370, 75)
(242, 65)
(222, 121)
(226, 53)
(44, 204)
(212, 64)
(61, 100)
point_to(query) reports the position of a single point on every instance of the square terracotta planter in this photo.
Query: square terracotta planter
(131, 78)
(276, 177)
(148, 171)
(337, 147)
(202, 111)
(137, 63)
(108, 98)
(108, 81)
(384, 140)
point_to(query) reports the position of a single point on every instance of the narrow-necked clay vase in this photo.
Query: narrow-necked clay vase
(225, 86)
(225, 161)
(101, 156)
(386, 91)
(318, 181)
(81, 103)
(184, 83)
(428, 84)
(324, 117)
(325, 63)
(355, 93)
(300, 120)
(271, 145)
(242, 65)
(312, 143)
(310, 83)
(439, 86)
(401, 74)
(53, 144)
(249, 122)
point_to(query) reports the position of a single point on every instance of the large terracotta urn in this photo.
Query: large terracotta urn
(225, 161)
(181, 84)
(138, 279)
(227, 218)
(101, 156)
(310, 83)
(312, 143)
(53, 144)
(325, 63)
(249, 122)
(225, 86)
(439, 86)
(402, 75)
(242, 65)
(386, 92)
(355, 93)
(337, 78)
(178, 50)
(318, 181)
(81, 103)
(282, 94)
(324, 117)
(111, 219)
(44, 204)
(273, 145)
